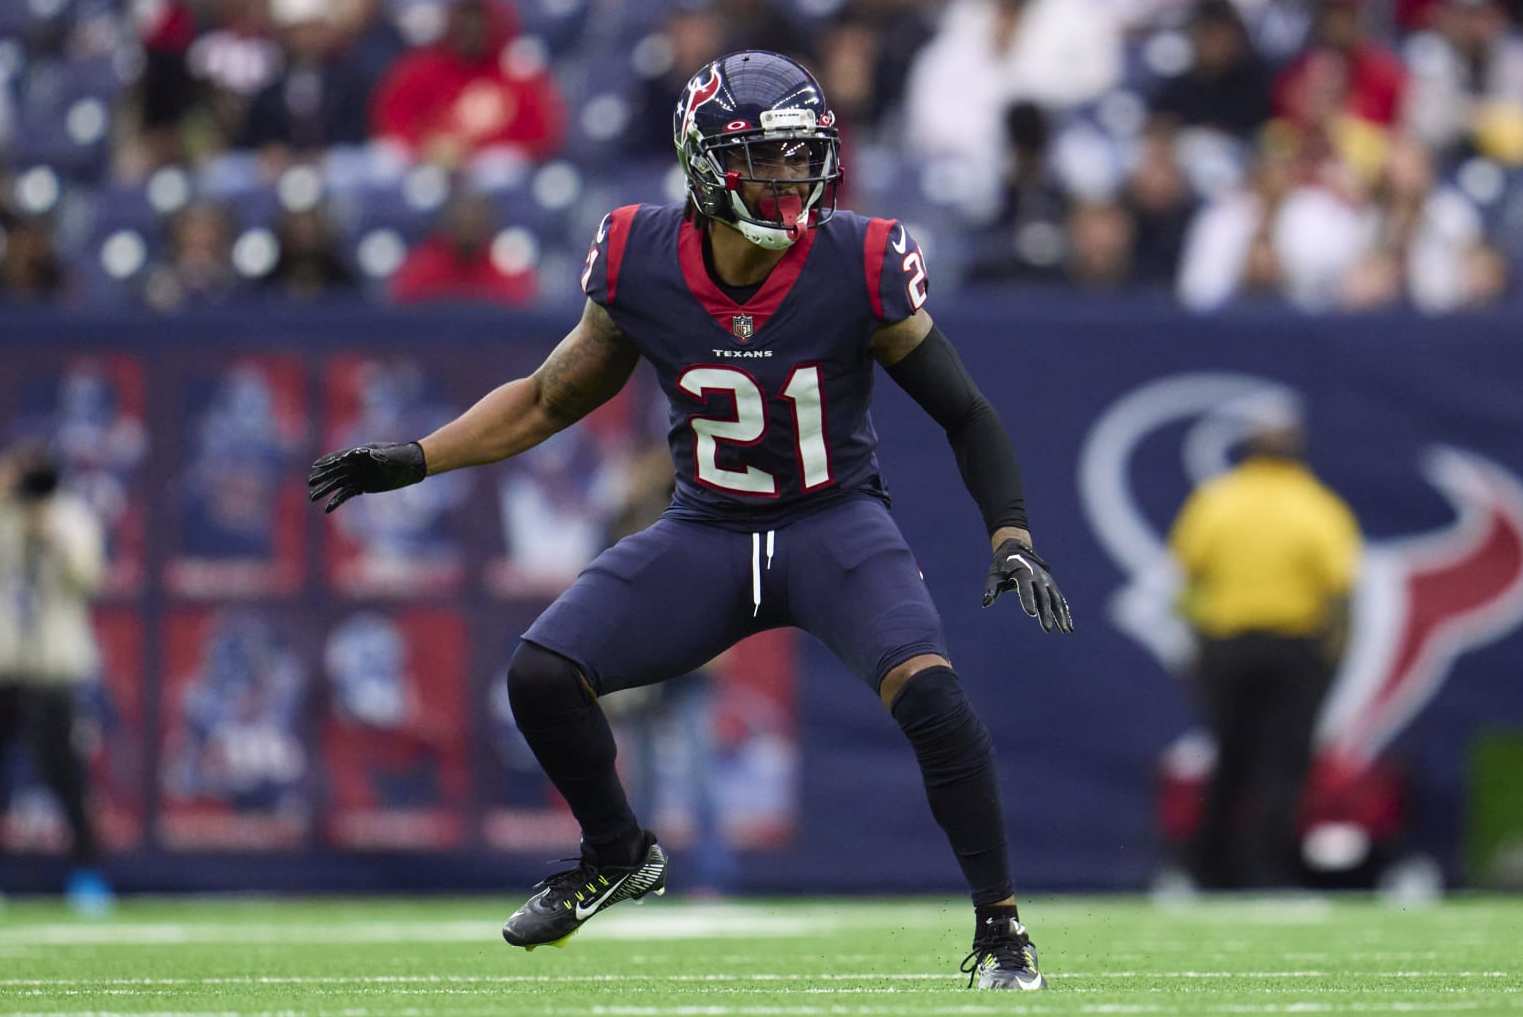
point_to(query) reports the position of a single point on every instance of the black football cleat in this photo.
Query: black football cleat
(569, 898)
(1003, 957)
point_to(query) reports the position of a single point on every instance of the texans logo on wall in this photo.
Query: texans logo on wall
(1422, 600)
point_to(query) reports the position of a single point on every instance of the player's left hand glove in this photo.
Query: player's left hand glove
(1017, 567)
(365, 470)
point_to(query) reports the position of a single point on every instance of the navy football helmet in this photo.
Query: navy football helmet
(759, 117)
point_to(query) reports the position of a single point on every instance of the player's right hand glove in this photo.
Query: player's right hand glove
(1017, 567)
(365, 470)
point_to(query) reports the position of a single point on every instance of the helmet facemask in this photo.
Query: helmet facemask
(795, 161)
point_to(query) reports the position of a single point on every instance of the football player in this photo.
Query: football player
(763, 310)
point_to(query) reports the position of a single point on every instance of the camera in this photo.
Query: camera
(38, 480)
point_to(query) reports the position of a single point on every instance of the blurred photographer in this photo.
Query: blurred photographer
(51, 563)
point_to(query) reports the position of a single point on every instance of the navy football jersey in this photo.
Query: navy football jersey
(769, 399)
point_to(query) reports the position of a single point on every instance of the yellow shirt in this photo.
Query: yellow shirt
(1264, 547)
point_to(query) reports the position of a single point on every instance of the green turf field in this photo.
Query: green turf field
(418, 958)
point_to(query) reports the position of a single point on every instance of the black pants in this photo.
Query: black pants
(42, 717)
(1261, 693)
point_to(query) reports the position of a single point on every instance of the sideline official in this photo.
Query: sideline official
(1269, 556)
(51, 563)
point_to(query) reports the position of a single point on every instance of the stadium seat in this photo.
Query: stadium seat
(600, 87)
(15, 20)
(1506, 221)
(636, 17)
(369, 208)
(125, 237)
(559, 23)
(64, 112)
(650, 181)
(118, 207)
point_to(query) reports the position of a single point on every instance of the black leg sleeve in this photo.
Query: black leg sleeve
(957, 762)
(562, 722)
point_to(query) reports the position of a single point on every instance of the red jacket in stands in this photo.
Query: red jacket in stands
(470, 91)
(438, 270)
(1371, 78)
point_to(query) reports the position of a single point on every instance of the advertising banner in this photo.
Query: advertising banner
(297, 688)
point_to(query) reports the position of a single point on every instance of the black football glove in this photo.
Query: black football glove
(1017, 567)
(364, 470)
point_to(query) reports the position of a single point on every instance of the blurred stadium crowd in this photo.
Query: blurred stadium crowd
(1334, 154)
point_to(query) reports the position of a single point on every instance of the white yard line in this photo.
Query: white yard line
(175, 933)
(468, 979)
(663, 922)
(708, 978)
(1363, 973)
(1033, 1008)
(687, 923)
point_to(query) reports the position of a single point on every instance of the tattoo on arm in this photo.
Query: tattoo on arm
(588, 367)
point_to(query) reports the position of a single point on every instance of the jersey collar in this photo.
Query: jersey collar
(763, 304)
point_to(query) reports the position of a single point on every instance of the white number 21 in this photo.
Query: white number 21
(750, 423)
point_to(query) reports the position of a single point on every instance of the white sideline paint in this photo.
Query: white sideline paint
(688, 923)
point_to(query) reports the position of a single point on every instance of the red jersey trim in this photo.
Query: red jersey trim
(872, 256)
(763, 304)
(618, 237)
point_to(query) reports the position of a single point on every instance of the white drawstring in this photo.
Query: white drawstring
(756, 569)
(755, 574)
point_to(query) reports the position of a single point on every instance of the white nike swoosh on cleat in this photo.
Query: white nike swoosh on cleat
(582, 914)
(1030, 984)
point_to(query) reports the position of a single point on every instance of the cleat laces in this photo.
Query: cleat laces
(570, 887)
(1006, 951)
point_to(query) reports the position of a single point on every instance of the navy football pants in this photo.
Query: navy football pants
(667, 600)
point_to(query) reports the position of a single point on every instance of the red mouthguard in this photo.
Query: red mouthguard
(785, 210)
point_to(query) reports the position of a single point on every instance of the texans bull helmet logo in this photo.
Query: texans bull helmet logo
(700, 91)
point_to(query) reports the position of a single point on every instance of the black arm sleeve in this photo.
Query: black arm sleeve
(934, 376)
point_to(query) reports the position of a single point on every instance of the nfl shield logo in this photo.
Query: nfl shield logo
(742, 328)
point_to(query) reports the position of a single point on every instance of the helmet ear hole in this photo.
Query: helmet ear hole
(713, 205)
